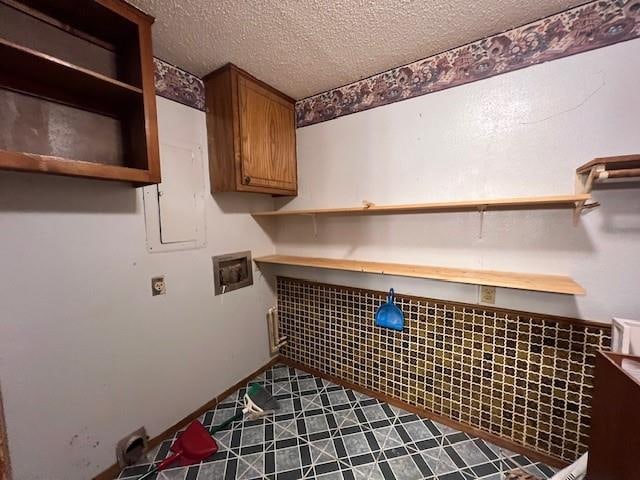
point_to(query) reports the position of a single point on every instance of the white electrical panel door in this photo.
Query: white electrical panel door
(177, 194)
(174, 209)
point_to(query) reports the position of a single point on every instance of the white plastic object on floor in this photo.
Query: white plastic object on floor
(575, 471)
(625, 336)
(249, 406)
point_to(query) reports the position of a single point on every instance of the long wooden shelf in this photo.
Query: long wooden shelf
(35, 73)
(521, 281)
(517, 203)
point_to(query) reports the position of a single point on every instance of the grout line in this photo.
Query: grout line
(267, 419)
(287, 425)
(384, 442)
(239, 404)
(299, 415)
(443, 441)
(326, 410)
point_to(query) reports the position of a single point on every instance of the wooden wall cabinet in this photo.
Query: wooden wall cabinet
(251, 134)
(77, 90)
(614, 441)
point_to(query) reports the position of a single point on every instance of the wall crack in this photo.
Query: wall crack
(568, 110)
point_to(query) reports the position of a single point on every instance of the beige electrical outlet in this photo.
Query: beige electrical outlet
(487, 294)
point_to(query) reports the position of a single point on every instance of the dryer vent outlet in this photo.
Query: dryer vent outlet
(132, 448)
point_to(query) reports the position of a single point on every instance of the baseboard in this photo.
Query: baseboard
(114, 469)
(514, 447)
(5, 465)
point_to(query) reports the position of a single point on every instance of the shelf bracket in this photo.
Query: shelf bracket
(481, 211)
(314, 221)
(577, 213)
(584, 184)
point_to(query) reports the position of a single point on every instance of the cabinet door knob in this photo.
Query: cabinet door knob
(247, 179)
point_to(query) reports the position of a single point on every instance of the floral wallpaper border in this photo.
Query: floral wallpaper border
(593, 25)
(178, 85)
(587, 27)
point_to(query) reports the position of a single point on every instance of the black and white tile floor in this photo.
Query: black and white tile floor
(324, 431)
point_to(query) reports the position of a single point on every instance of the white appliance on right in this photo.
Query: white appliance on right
(625, 336)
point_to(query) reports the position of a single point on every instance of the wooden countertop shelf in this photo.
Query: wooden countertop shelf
(517, 203)
(522, 281)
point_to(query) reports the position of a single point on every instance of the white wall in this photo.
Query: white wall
(86, 353)
(518, 134)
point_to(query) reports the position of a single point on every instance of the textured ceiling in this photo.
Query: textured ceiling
(303, 47)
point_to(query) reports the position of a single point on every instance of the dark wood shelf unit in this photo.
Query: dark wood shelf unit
(99, 60)
(34, 73)
(111, 21)
(29, 162)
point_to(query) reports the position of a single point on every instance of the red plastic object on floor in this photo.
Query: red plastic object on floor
(192, 446)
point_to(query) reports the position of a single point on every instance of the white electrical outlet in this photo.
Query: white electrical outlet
(158, 287)
(487, 294)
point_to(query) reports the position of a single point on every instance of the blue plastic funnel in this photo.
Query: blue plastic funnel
(389, 315)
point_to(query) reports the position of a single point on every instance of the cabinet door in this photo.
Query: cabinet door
(267, 137)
